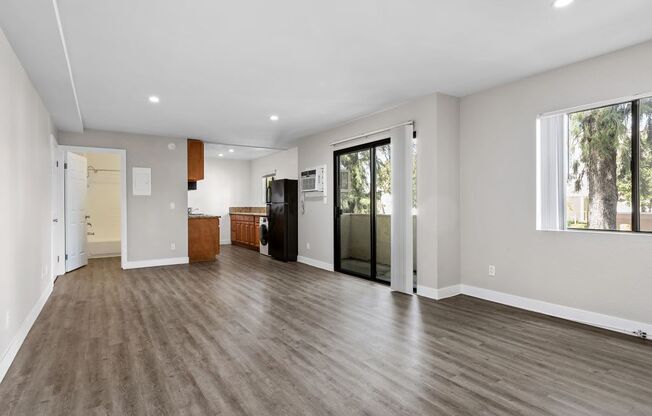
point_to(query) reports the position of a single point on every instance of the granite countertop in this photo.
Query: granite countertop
(192, 216)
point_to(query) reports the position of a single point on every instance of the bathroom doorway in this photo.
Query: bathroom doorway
(94, 194)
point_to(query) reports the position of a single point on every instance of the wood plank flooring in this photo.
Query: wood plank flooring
(248, 335)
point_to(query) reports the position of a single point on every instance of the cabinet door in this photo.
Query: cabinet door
(234, 224)
(256, 235)
(195, 160)
(249, 232)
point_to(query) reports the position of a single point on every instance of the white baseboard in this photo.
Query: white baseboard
(155, 262)
(19, 338)
(439, 294)
(225, 242)
(599, 320)
(315, 263)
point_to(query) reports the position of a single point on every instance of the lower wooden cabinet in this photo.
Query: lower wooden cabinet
(203, 238)
(244, 231)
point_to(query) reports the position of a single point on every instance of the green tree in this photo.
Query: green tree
(646, 155)
(354, 179)
(601, 141)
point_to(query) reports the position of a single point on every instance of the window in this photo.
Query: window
(595, 168)
(266, 186)
(599, 182)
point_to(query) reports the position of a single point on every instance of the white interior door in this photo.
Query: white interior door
(58, 233)
(75, 190)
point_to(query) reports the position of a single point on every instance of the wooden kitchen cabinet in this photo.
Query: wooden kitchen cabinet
(195, 160)
(203, 238)
(244, 231)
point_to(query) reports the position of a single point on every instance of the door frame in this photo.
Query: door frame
(371, 146)
(122, 153)
(57, 231)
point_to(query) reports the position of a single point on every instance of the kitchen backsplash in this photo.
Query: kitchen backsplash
(252, 210)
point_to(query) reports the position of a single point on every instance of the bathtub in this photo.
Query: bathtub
(98, 249)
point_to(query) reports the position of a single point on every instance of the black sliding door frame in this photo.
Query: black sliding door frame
(372, 208)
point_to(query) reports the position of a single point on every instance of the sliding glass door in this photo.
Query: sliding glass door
(363, 204)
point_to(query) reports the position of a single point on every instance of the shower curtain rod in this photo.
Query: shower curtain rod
(102, 170)
(359, 136)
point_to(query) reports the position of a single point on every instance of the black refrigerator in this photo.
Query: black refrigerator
(282, 217)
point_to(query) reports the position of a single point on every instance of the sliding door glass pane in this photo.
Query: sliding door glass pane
(383, 212)
(645, 187)
(599, 185)
(354, 172)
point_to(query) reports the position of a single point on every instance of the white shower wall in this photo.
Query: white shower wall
(103, 205)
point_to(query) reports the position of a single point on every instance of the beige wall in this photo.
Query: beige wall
(607, 273)
(25, 217)
(103, 197)
(436, 120)
(284, 163)
(152, 226)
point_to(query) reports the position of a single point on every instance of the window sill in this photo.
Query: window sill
(600, 232)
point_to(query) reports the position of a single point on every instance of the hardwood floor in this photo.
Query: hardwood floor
(251, 336)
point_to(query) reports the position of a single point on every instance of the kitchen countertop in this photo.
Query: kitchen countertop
(257, 214)
(193, 216)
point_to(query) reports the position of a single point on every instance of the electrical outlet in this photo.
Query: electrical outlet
(492, 270)
(172, 205)
(308, 246)
(173, 246)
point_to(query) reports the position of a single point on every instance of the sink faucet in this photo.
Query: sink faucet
(190, 210)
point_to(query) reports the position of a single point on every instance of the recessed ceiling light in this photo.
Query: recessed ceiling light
(154, 99)
(273, 117)
(561, 3)
(231, 150)
(221, 154)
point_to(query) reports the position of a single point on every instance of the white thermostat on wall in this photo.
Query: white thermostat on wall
(313, 179)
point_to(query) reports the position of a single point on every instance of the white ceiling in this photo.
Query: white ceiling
(221, 68)
(239, 152)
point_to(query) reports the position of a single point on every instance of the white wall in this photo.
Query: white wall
(226, 184)
(435, 119)
(284, 163)
(607, 273)
(25, 220)
(152, 226)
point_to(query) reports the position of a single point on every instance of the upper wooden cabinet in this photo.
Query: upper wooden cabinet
(195, 160)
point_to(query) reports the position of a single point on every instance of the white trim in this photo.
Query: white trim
(19, 338)
(316, 263)
(65, 54)
(599, 320)
(226, 242)
(123, 192)
(139, 264)
(439, 294)
(598, 104)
